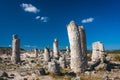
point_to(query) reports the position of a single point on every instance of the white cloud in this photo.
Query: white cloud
(88, 20)
(29, 8)
(37, 17)
(33, 9)
(42, 19)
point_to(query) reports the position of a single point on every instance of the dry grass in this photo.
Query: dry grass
(90, 77)
(116, 57)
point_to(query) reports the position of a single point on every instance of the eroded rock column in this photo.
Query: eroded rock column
(75, 46)
(53, 67)
(55, 49)
(15, 58)
(99, 57)
(36, 52)
(98, 51)
(83, 45)
(62, 62)
(46, 55)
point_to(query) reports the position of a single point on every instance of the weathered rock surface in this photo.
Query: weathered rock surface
(53, 67)
(98, 51)
(76, 78)
(46, 54)
(62, 62)
(36, 52)
(55, 49)
(83, 46)
(15, 58)
(77, 64)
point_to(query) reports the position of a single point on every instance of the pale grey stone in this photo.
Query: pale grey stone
(55, 49)
(105, 77)
(98, 51)
(83, 46)
(53, 67)
(36, 52)
(76, 78)
(62, 62)
(77, 64)
(46, 54)
(15, 58)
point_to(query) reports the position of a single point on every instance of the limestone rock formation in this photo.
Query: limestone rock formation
(62, 62)
(53, 67)
(36, 52)
(77, 64)
(99, 57)
(46, 55)
(98, 51)
(83, 45)
(15, 58)
(55, 49)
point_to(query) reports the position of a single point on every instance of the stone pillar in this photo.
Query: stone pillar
(55, 49)
(15, 58)
(98, 51)
(36, 52)
(83, 45)
(53, 67)
(62, 62)
(46, 54)
(51, 54)
(75, 46)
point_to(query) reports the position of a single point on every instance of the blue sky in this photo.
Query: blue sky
(38, 22)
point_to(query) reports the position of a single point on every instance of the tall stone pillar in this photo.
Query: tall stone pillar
(36, 52)
(15, 58)
(62, 62)
(75, 46)
(46, 55)
(83, 45)
(55, 49)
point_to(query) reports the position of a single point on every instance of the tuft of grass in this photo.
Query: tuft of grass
(65, 70)
(53, 75)
(113, 51)
(90, 77)
(38, 65)
(116, 58)
(67, 78)
(56, 77)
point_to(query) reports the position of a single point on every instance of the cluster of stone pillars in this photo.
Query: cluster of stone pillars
(77, 40)
(78, 50)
